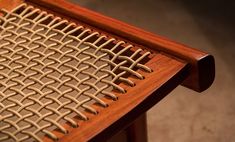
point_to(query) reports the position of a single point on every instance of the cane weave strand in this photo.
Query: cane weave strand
(52, 70)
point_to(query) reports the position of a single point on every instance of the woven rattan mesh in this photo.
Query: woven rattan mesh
(52, 69)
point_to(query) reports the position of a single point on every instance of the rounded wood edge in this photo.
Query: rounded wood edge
(203, 74)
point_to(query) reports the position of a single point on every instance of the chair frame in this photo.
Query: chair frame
(190, 67)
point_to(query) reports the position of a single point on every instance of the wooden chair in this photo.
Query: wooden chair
(70, 74)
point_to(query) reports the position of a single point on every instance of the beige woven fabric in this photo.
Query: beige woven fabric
(52, 70)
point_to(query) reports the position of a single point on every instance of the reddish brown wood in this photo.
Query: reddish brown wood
(168, 73)
(137, 131)
(202, 64)
(9, 4)
(171, 67)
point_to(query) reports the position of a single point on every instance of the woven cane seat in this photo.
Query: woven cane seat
(52, 70)
(73, 76)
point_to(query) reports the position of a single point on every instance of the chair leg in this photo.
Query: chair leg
(137, 131)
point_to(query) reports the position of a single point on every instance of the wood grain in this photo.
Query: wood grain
(176, 63)
(9, 4)
(168, 73)
(137, 131)
(202, 64)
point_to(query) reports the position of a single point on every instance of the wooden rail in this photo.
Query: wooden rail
(202, 64)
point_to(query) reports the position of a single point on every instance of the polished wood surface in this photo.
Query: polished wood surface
(175, 64)
(202, 64)
(137, 131)
(9, 4)
(156, 85)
